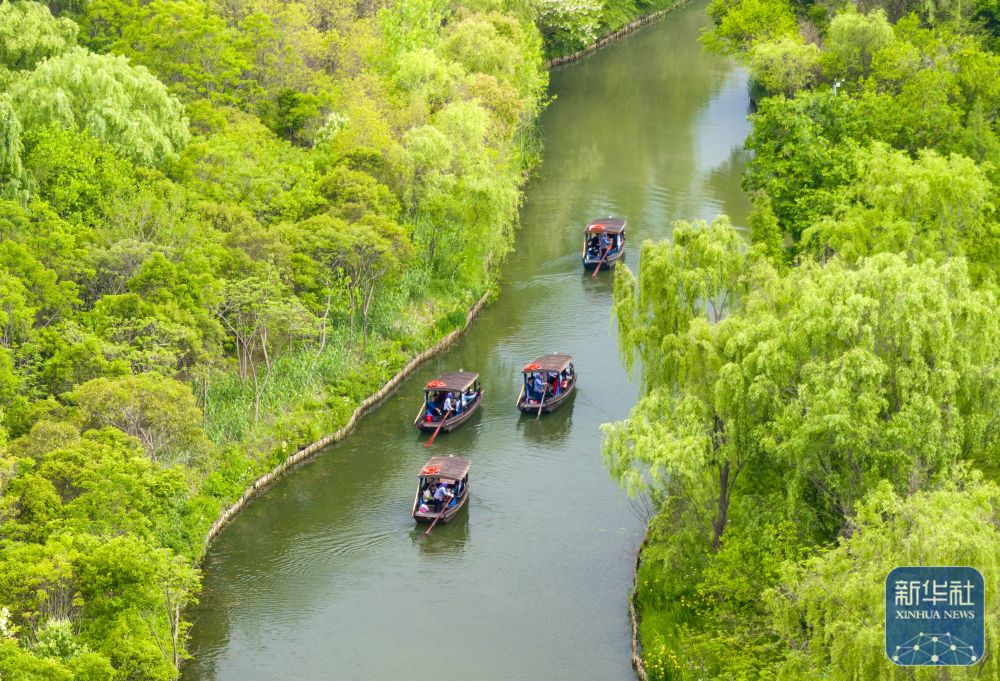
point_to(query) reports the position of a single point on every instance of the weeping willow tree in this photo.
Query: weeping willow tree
(835, 377)
(13, 181)
(686, 435)
(121, 104)
(830, 609)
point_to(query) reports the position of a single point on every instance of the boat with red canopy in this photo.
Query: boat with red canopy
(466, 396)
(451, 473)
(603, 243)
(547, 383)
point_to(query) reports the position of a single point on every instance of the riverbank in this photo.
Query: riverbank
(613, 36)
(371, 402)
(341, 526)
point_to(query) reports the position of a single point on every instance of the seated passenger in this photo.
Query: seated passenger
(432, 409)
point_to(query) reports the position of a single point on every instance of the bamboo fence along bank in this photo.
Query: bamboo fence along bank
(633, 613)
(365, 407)
(609, 38)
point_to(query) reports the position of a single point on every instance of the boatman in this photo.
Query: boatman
(539, 386)
(604, 244)
(440, 494)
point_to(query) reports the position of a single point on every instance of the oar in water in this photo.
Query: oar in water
(430, 440)
(541, 402)
(599, 262)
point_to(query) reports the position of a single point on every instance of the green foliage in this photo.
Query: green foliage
(13, 181)
(104, 95)
(409, 25)
(29, 34)
(785, 66)
(854, 39)
(931, 207)
(246, 164)
(160, 412)
(190, 49)
(182, 308)
(835, 601)
(856, 373)
(741, 24)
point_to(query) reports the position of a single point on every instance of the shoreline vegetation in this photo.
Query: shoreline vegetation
(224, 226)
(614, 35)
(820, 405)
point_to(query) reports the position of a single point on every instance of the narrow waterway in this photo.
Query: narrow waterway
(324, 576)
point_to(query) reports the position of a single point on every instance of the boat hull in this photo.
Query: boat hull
(526, 406)
(608, 264)
(449, 512)
(452, 422)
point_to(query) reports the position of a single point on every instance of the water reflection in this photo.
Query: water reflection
(445, 539)
(548, 429)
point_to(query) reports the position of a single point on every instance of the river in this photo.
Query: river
(325, 577)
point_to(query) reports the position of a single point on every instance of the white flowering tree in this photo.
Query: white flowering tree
(569, 23)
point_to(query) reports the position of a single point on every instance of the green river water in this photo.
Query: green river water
(324, 576)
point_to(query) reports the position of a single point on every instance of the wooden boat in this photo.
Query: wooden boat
(442, 470)
(554, 365)
(457, 383)
(615, 229)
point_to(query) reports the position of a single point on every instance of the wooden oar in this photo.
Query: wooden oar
(437, 430)
(520, 395)
(444, 508)
(541, 402)
(599, 262)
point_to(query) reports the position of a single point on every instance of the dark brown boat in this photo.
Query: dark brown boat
(466, 393)
(559, 379)
(450, 471)
(593, 255)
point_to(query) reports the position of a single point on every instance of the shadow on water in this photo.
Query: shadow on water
(444, 540)
(548, 429)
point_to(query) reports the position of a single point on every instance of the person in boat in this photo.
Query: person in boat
(467, 398)
(440, 495)
(592, 246)
(432, 409)
(553, 383)
(449, 404)
(539, 385)
(604, 245)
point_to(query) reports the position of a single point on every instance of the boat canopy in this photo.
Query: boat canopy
(446, 468)
(607, 225)
(456, 381)
(553, 362)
